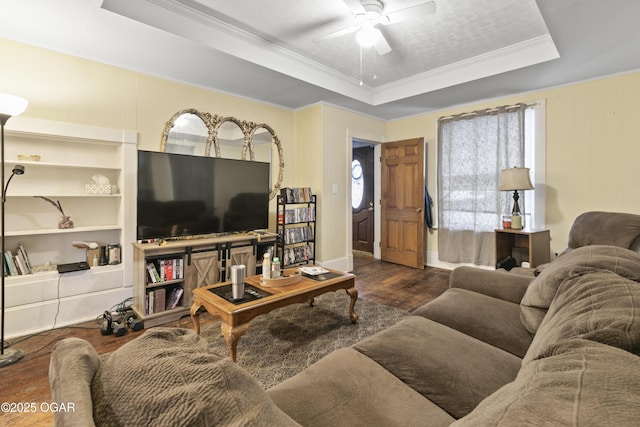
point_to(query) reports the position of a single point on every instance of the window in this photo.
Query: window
(472, 149)
(357, 184)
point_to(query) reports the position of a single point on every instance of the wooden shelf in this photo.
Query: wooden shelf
(533, 246)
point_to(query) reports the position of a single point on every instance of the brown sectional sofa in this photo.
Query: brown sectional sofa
(478, 359)
(495, 349)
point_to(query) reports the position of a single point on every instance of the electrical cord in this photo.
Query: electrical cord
(120, 308)
(55, 319)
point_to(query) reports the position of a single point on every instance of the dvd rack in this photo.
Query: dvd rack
(296, 226)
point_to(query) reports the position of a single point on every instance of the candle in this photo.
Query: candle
(516, 222)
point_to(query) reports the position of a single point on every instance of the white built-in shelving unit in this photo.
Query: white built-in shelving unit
(70, 156)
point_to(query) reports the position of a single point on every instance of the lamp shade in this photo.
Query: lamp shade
(515, 179)
(11, 105)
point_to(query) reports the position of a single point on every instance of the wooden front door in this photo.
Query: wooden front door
(362, 200)
(402, 216)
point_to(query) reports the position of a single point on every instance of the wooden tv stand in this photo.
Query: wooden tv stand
(197, 261)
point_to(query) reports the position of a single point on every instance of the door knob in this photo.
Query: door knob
(419, 210)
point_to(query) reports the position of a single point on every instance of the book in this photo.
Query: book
(154, 276)
(11, 266)
(151, 302)
(179, 268)
(161, 270)
(174, 297)
(20, 265)
(159, 300)
(23, 251)
(168, 269)
(314, 271)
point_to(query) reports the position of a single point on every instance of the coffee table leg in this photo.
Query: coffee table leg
(353, 293)
(232, 335)
(195, 315)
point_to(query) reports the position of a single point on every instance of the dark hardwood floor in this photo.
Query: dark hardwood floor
(27, 380)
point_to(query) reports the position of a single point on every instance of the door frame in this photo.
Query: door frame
(376, 141)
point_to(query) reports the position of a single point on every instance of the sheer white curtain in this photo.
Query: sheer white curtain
(472, 149)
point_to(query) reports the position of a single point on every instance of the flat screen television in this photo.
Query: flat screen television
(183, 195)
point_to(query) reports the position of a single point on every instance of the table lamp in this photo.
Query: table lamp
(515, 179)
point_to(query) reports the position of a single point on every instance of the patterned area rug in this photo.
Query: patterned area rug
(282, 343)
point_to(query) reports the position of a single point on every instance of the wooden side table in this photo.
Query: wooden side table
(534, 244)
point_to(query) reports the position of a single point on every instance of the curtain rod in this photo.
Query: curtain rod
(487, 110)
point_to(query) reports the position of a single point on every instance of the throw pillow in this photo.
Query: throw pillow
(168, 376)
(543, 288)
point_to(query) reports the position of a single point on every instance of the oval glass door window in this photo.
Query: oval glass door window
(357, 184)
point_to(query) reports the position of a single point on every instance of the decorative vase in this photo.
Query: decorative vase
(65, 222)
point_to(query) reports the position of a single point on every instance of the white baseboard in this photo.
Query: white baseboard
(340, 264)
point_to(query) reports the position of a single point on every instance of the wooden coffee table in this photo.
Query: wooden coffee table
(236, 316)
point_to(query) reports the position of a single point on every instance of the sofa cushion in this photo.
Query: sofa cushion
(499, 284)
(453, 370)
(346, 388)
(488, 319)
(543, 288)
(600, 306)
(581, 383)
(168, 376)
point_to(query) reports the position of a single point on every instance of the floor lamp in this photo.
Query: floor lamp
(10, 106)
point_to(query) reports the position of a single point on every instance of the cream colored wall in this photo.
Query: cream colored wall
(592, 143)
(592, 149)
(68, 89)
(338, 127)
(309, 161)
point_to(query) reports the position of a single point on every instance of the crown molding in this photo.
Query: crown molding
(519, 55)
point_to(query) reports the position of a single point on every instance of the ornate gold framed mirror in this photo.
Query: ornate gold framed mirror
(193, 132)
(230, 138)
(263, 140)
(188, 132)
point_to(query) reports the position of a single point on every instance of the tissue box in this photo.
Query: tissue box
(100, 189)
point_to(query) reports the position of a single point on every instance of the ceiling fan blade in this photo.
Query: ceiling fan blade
(336, 34)
(381, 45)
(355, 6)
(412, 12)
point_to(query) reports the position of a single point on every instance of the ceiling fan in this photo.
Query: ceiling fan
(370, 14)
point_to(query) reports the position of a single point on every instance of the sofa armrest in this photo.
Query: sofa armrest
(73, 364)
(494, 283)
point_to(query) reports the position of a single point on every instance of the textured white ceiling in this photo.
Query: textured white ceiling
(459, 29)
(463, 41)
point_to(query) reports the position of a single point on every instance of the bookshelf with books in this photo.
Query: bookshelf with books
(60, 162)
(164, 284)
(167, 272)
(164, 287)
(296, 226)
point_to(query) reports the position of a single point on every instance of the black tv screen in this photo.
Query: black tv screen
(183, 195)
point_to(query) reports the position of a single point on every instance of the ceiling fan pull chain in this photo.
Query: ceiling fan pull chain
(375, 76)
(361, 83)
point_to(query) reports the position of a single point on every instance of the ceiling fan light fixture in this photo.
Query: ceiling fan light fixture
(368, 35)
